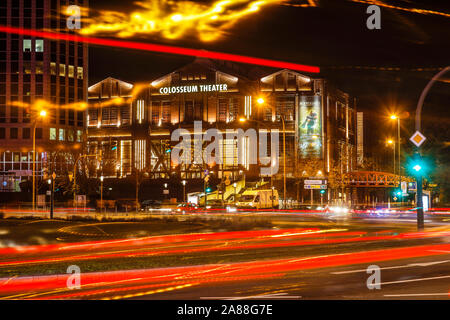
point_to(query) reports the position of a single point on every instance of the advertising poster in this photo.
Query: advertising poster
(310, 127)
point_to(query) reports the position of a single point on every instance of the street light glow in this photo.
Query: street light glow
(394, 117)
(260, 100)
(242, 119)
(43, 113)
(417, 167)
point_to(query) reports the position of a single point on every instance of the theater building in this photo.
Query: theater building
(131, 124)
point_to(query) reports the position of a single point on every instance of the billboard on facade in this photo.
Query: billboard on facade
(310, 127)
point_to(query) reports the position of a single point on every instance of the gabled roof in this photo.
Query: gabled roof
(110, 87)
(109, 80)
(273, 74)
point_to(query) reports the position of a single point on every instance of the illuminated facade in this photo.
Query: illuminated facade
(132, 124)
(33, 69)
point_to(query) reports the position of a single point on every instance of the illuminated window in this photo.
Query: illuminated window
(53, 68)
(26, 45)
(140, 115)
(39, 45)
(62, 70)
(79, 135)
(71, 71)
(156, 106)
(80, 73)
(61, 134)
(70, 135)
(139, 147)
(203, 76)
(27, 67)
(52, 133)
(39, 67)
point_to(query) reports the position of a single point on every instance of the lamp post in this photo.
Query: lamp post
(101, 193)
(42, 114)
(392, 142)
(234, 185)
(184, 190)
(52, 195)
(284, 162)
(395, 117)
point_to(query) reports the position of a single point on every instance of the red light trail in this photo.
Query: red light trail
(202, 274)
(161, 49)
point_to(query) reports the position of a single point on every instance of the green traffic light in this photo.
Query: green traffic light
(322, 191)
(417, 167)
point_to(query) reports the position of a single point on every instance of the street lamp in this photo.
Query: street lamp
(101, 193)
(184, 190)
(41, 114)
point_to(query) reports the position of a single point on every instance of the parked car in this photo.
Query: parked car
(148, 205)
(216, 204)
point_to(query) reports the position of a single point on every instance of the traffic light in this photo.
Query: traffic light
(419, 165)
(322, 191)
(114, 146)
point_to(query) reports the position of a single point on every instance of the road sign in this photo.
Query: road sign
(41, 200)
(417, 138)
(315, 181)
(315, 186)
(412, 186)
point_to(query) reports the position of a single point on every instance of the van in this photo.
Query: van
(258, 199)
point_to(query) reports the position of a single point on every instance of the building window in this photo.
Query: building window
(14, 114)
(222, 110)
(71, 71)
(62, 70)
(38, 133)
(166, 111)
(52, 133)
(80, 73)
(26, 133)
(234, 109)
(79, 135)
(61, 134)
(70, 135)
(39, 45)
(155, 112)
(13, 133)
(140, 111)
(53, 68)
(26, 45)
(2, 133)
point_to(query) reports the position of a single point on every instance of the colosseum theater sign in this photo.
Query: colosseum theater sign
(193, 88)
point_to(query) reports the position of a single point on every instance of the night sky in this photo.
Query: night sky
(333, 36)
